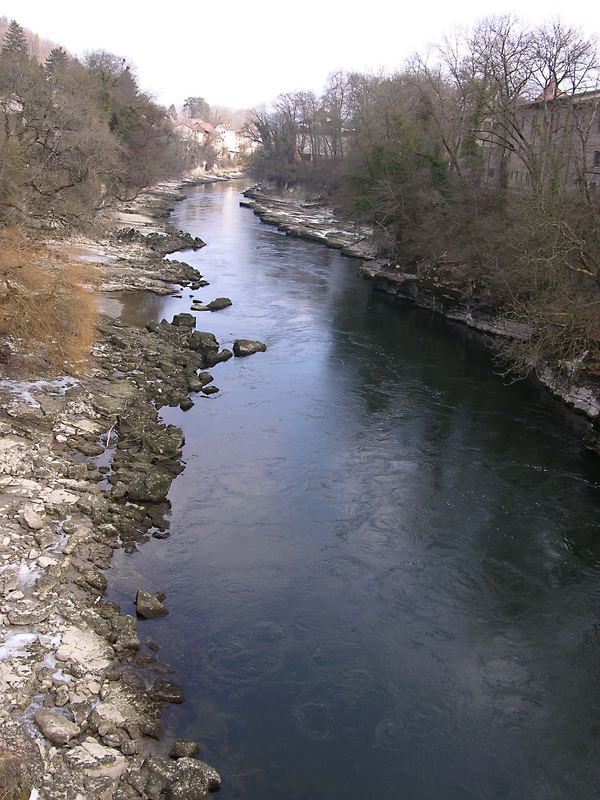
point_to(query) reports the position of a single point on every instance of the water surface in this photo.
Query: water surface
(383, 570)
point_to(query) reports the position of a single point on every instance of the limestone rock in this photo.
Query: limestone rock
(28, 613)
(203, 342)
(149, 487)
(184, 320)
(246, 347)
(193, 779)
(32, 519)
(85, 648)
(96, 759)
(183, 749)
(150, 606)
(56, 727)
(219, 303)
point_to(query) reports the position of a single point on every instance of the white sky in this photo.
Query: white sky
(240, 53)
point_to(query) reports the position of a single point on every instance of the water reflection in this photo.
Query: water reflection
(382, 572)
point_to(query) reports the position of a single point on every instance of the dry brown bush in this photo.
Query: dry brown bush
(47, 302)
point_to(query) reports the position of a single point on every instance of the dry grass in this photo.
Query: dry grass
(47, 302)
(13, 782)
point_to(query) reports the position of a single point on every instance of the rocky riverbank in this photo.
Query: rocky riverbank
(433, 289)
(85, 468)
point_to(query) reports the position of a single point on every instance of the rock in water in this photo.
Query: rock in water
(151, 487)
(183, 749)
(150, 606)
(246, 347)
(56, 727)
(184, 320)
(167, 692)
(219, 303)
(193, 779)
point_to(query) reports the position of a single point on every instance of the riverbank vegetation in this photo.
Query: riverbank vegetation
(77, 137)
(478, 167)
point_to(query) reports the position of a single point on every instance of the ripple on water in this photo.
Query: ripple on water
(247, 656)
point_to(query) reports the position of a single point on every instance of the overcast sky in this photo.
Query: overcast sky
(240, 53)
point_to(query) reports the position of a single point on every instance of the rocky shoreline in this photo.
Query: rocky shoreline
(85, 468)
(316, 221)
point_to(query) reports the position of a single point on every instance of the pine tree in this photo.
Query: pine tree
(56, 61)
(14, 42)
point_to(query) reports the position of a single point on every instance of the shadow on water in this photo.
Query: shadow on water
(383, 571)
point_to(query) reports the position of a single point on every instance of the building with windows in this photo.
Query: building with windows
(555, 138)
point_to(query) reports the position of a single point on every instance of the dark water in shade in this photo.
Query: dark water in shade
(384, 564)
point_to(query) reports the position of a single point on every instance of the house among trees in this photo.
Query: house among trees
(554, 138)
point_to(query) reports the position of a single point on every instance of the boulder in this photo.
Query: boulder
(247, 347)
(211, 359)
(203, 342)
(219, 303)
(85, 648)
(184, 749)
(184, 320)
(56, 727)
(28, 613)
(210, 389)
(124, 634)
(32, 519)
(185, 779)
(193, 779)
(151, 486)
(205, 378)
(165, 442)
(150, 606)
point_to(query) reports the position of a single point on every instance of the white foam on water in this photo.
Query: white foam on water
(15, 645)
(24, 389)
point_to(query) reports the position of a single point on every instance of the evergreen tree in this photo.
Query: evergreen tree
(14, 42)
(56, 61)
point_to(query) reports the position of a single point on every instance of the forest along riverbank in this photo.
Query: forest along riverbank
(85, 468)
(430, 287)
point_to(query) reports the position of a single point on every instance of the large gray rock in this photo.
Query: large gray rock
(185, 779)
(246, 347)
(203, 341)
(219, 303)
(193, 779)
(124, 634)
(28, 613)
(182, 749)
(56, 727)
(151, 486)
(184, 320)
(165, 442)
(211, 359)
(150, 606)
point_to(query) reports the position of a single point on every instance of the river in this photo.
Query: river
(383, 570)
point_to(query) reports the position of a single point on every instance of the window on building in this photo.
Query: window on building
(596, 158)
(491, 171)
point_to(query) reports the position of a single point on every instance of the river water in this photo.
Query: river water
(384, 564)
